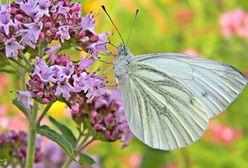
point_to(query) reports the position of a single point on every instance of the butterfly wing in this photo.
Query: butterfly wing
(215, 84)
(160, 111)
(164, 97)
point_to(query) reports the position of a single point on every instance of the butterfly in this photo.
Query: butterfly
(169, 97)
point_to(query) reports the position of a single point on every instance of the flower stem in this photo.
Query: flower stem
(80, 147)
(32, 137)
(44, 113)
(69, 160)
(26, 61)
(67, 163)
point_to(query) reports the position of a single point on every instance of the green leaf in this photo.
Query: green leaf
(64, 130)
(85, 160)
(2, 161)
(21, 107)
(5, 154)
(17, 62)
(3, 59)
(58, 138)
(8, 71)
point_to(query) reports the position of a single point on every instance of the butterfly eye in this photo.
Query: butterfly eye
(121, 49)
(117, 76)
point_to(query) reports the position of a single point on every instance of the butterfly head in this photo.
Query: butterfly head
(122, 50)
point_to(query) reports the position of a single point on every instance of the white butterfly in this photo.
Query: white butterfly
(169, 98)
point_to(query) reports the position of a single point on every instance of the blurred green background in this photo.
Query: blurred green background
(172, 26)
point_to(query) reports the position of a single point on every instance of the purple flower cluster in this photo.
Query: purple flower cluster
(14, 146)
(107, 117)
(53, 156)
(62, 78)
(36, 33)
(26, 23)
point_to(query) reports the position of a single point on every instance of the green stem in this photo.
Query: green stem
(41, 49)
(80, 147)
(26, 61)
(17, 69)
(44, 113)
(87, 135)
(32, 137)
(67, 163)
(59, 50)
(85, 145)
(69, 160)
(24, 81)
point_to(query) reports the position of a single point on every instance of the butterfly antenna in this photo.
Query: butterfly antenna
(112, 44)
(131, 28)
(103, 7)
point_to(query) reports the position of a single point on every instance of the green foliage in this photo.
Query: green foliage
(85, 160)
(66, 132)
(58, 138)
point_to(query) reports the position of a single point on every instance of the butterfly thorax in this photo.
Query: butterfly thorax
(121, 63)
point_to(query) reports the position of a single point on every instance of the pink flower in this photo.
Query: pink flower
(24, 98)
(12, 48)
(62, 20)
(223, 133)
(184, 17)
(50, 51)
(171, 165)
(16, 143)
(5, 21)
(84, 63)
(64, 88)
(190, 52)
(87, 23)
(4, 121)
(133, 160)
(28, 6)
(234, 22)
(30, 35)
(63, 33)
(42, 8)
(43, 71)
(64, 78)
(107, 117)
(99, 45)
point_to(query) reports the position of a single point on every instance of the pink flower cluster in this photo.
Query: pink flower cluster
(15, 146)
(235, 23)
(223, 134)
(26, 24)
(107, 117)
(62, 78)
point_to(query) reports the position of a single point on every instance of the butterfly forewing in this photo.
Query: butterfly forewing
(215, 84)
